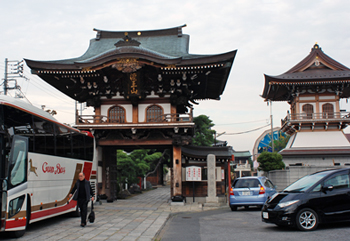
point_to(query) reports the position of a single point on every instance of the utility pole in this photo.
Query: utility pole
(12, 74)
(271, 117)
(217, 135)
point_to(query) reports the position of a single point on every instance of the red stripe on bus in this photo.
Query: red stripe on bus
(52, 211)
(16, 223)
(87, 170)
(93, 172)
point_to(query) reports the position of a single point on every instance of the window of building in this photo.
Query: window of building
(328, 110)
(117, 114)
(154, 113)
(308, 110)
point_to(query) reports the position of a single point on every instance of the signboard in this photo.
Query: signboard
(193, 173)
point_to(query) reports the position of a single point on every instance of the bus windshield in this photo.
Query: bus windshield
(18, 159)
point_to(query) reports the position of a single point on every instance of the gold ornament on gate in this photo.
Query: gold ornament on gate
(127, 65)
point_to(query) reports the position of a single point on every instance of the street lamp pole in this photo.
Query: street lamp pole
(271, 117)
(217, 135)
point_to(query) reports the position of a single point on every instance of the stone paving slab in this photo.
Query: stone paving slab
(138, 218)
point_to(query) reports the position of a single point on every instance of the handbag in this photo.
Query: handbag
(92, 213)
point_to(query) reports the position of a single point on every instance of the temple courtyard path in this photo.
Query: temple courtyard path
(138, 218)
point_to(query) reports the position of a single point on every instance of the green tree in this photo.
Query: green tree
(126, 167)
(136, 164)
(270, 161)
(203, 134)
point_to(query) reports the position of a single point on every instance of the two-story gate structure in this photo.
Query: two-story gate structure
(142, 86)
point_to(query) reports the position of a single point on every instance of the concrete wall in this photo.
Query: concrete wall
(283, 178)
(322, 161)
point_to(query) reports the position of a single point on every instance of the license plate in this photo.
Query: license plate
(245, 193)
(265, 215)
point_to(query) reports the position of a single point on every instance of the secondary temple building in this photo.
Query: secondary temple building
(142, 86)
(313, 88)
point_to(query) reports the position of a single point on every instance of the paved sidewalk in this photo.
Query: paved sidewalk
(138, 218)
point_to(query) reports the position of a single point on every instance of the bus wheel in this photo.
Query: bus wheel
(17, 234)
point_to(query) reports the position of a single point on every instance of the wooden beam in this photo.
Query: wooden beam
(134, 142)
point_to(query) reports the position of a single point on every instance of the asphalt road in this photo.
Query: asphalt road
(242, 224)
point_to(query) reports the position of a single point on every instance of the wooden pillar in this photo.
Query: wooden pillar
(177, 182)
(97, 118)
(173, 113)
(135, 114)
(297, 105)
(317, 103)
(337, 107)
(161, 174)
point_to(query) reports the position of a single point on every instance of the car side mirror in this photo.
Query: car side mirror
(327, 188)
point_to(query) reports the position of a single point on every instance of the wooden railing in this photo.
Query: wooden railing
(95, 119)
(315, 116)
(171, 118)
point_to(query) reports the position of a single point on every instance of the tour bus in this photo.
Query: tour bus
(40, 160)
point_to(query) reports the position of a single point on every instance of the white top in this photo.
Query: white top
(319, 139)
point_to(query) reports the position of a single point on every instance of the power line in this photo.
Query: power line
(237, 123)
(45, 89)
(244, 132)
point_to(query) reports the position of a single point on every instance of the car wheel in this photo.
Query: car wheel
(233, 208)
(307, 219)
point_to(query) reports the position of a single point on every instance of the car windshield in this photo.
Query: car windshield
(246, 182)
(305, 182)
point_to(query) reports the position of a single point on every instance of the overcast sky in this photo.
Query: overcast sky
(271, 37)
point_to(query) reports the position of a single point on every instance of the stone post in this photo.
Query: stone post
(211, 165)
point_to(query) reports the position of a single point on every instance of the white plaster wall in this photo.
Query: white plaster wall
(127, 107)
(307, 98)
(142, 110)
(328, 97)
(319, 139)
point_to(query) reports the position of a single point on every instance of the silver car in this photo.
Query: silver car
(250, 191)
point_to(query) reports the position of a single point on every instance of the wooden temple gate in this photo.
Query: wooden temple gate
(142, 86)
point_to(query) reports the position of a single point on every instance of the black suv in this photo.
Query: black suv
(317, 198)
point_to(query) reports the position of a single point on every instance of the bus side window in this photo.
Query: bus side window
(44, 136)
(63, 142)
(78, 146)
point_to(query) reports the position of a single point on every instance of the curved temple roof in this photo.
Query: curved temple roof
(165, 46)
(316, 69)
(153, 52)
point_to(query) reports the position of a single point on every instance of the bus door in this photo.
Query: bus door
(3, 202)
(3, 184)
(17, 176)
